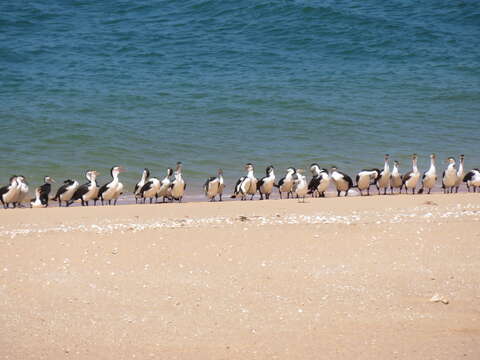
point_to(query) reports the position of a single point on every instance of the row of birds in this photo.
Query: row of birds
(294, 183)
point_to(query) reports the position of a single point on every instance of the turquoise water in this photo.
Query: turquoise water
(90, 84)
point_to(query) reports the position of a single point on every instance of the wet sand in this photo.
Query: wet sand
(347, 278)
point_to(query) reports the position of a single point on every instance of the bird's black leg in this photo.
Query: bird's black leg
(338, 193)
(151, 200)
(220, 197)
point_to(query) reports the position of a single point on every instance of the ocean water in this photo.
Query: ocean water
(90, 84)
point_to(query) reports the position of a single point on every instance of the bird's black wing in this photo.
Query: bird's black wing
(313, 184)
(407, 177)
(468, 176)
(260, 182)
(60, 191)
(44, 192)
(147, 186)
(347, 179)
(82, 190)
(102, 190)
(3, 190)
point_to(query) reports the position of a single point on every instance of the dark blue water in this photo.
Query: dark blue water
(89, 84)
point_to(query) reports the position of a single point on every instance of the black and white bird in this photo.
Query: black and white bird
(45, 190)
(429, 178)
(460, 173)
(449, 178)
(410, 179)
(472, 179)
(246, 185)
(139, 185)
(300, 186)
(396, 178)
(285, 184)
(66, 191)
(177, 187)
(265, 184)
(383, 180)
(365, 179)
(113, 189)
(22, 193)
(37, 201)
(164, 190)
(342, 181)
(214, 186)
(319, 182)
(150, 190)
(87, 191)
(8, 193)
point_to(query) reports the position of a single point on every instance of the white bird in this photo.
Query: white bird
(410, 179)
(22, 194)
(112, 190)
(9, 193)
(164, 190)
(214, 186)
(300, 186)
(150, 190)
(177, 187)
(429, 177)
(66, 191)
(246, 185)
(460, 173)
(286, 183)
(265, 184)
(139, 185)
(342, 181)
(365, 179)
(319, 182)
(396, 178)
(449, 178)
(472, 179)
(383, 181)
(87, 191)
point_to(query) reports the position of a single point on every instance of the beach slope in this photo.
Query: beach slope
(381, 277)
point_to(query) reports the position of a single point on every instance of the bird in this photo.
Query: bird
(265, 184)
(383, 180)
(396, 178)
(342, 181)
(472, 179)
(449, 177)
(8, 193)
(319, 182)
(164, 189)
(429, 177)
(177, 186)
(246, 185)
(150, 190)
(300, 186)
(37, 202)
(138, 186)
(22, 190)
(365, 179)
(460, 173)
(87, 191)
(66, 191)
(214, 186)
(410, 179)
(45, 189)
(286, 183)
(112, 190)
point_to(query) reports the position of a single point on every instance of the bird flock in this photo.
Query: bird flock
(294, 184)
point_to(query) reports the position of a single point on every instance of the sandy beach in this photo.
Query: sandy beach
(381, 277)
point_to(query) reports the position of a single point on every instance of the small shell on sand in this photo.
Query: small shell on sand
(437, 298)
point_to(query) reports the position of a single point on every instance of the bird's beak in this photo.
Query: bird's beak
(122, 169)
(52, 180)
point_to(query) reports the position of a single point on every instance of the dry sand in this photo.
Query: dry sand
(348, 278)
